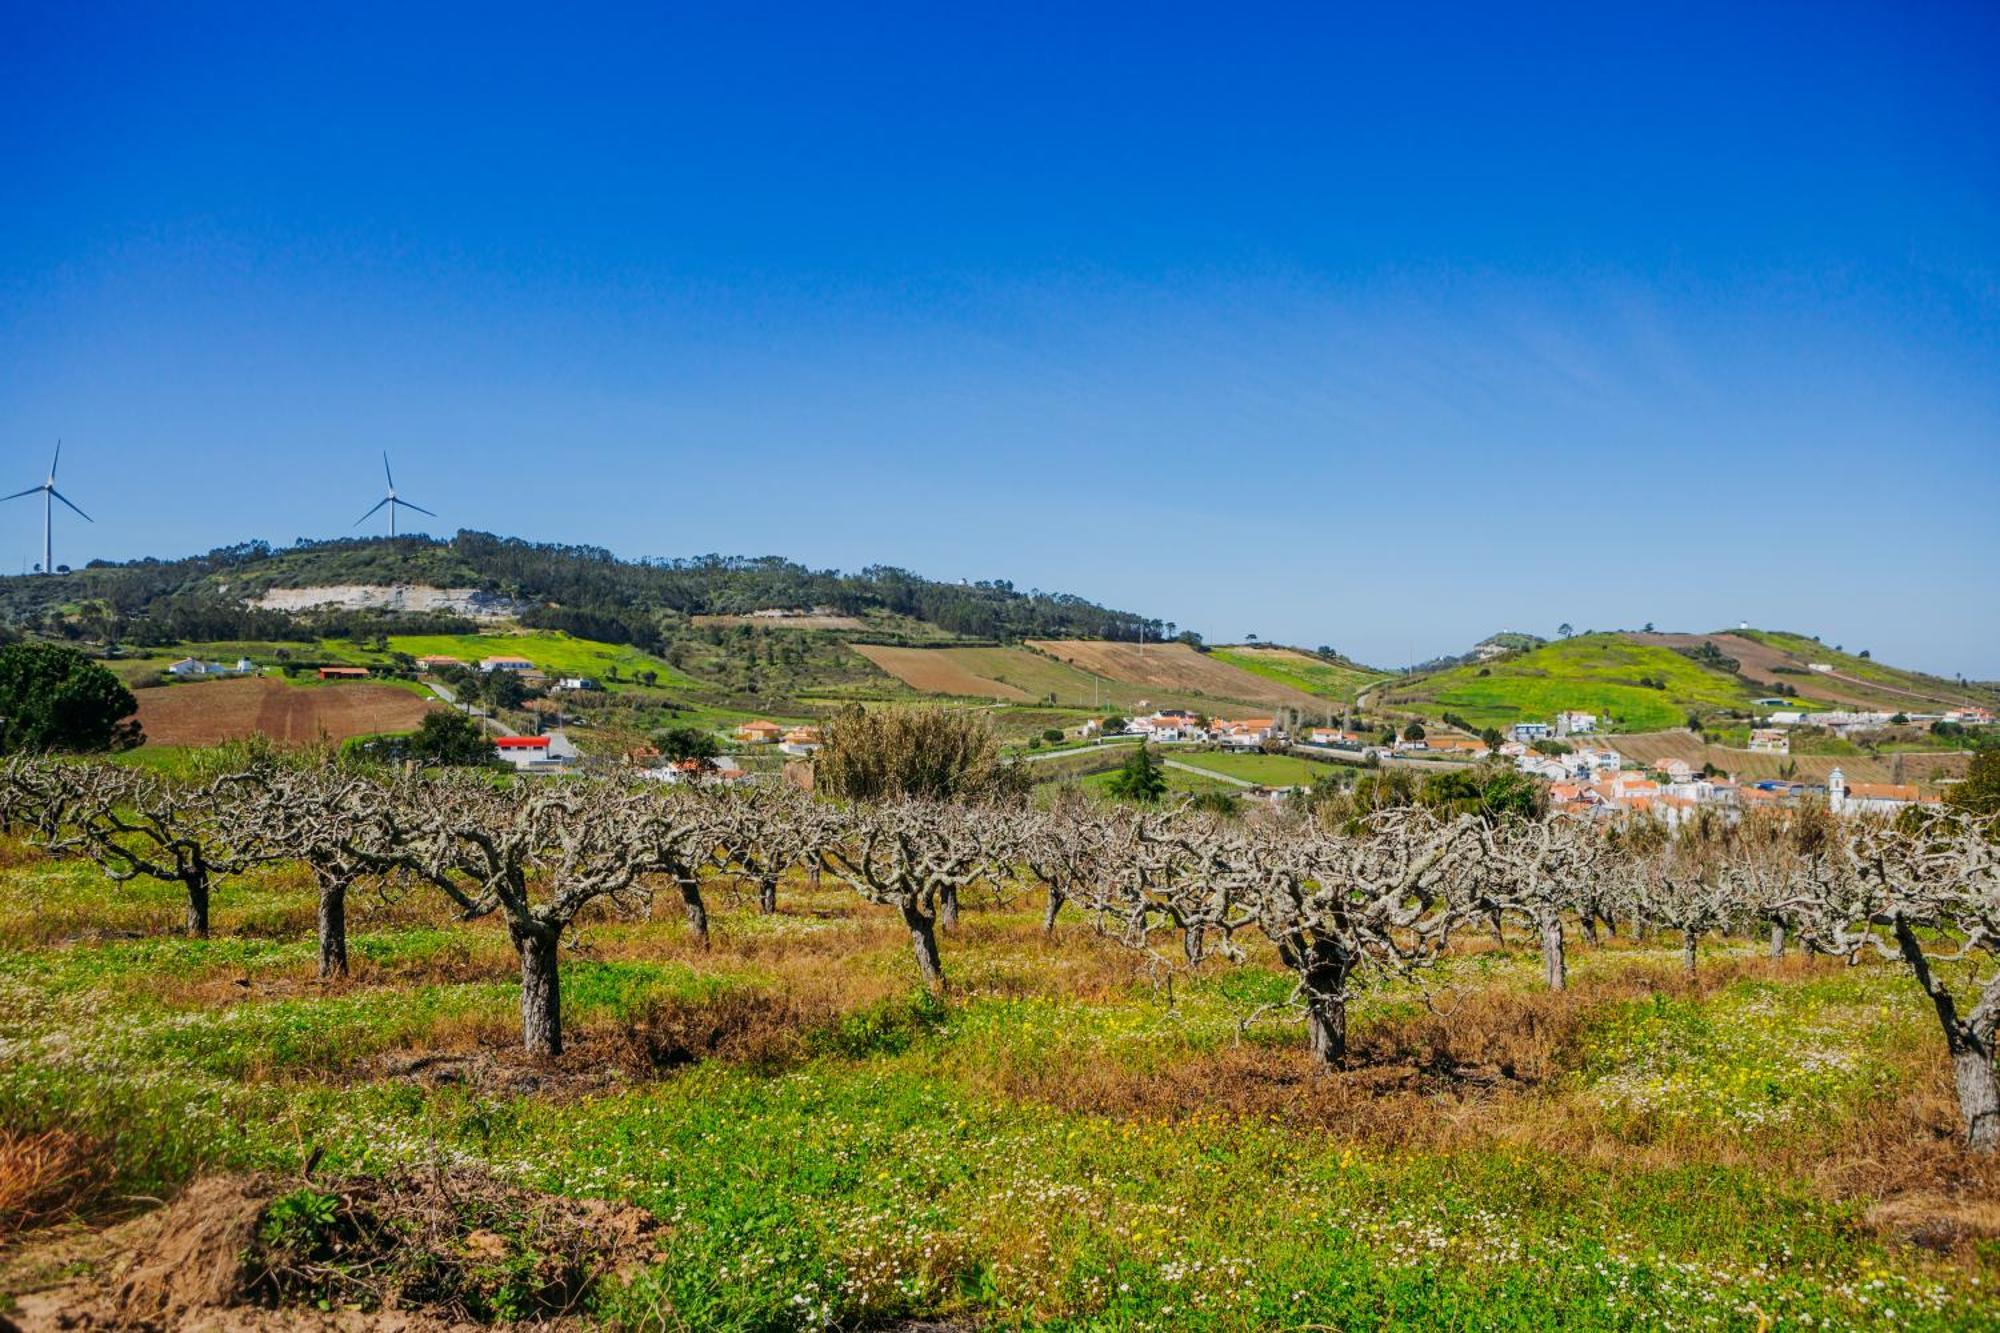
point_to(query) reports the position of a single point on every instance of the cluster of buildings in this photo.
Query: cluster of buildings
(1178, 724)
(797, 741)
(193, 668)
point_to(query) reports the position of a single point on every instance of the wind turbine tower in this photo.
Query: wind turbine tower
(49, 495)
(391, 500)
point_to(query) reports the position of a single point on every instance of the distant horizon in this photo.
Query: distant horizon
(1349, 327)
(1309, 643)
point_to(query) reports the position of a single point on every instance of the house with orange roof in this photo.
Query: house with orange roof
(1872, 798)
(759, 732)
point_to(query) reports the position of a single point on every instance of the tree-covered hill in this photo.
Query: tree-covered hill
(582, 589)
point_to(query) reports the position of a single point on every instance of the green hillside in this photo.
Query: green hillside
(1593, 673)
(1327, 677)
(1851, 665)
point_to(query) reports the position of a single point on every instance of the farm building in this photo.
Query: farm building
(432, 661)
(527, 753)
(1770, 740)
(759, 732)
(343, 673)
(801, 741)
(505, 664)
(189, 668)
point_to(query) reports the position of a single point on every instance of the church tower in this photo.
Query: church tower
(1836, 792)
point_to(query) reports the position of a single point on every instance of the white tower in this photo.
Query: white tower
(1836, 792)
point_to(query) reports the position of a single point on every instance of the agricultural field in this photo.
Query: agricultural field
(208, 712)
(796, 1135)
(1301, 671)
(1177, 667)
(939, 671)
(551, 651)
(1593, 673)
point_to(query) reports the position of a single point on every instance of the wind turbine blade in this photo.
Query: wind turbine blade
(65, 499)
(419, 508)
(18, 494)
(58, 460)
(385, 470)
(371, 513)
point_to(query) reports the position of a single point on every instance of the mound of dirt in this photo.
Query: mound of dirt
(411, 1253)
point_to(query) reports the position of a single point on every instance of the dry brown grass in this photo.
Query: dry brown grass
(44, 1177)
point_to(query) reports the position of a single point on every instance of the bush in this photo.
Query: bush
(937, 754)
(450, 738)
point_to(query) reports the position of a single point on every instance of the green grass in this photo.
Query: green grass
(550, 650)
(1595, 673)
(1269, 770)
(916, 1159)
(1328, 680)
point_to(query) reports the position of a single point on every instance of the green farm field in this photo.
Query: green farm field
(1053, 1145)
(1301, 671)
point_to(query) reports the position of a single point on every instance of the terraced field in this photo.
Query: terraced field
(1855, 682)
(1175, 666)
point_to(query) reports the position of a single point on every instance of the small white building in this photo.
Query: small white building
(1530, 731)
(505, 664)
(1575, 724)
(1770, 740)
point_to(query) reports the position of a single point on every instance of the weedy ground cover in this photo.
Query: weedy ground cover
(1069, 1140)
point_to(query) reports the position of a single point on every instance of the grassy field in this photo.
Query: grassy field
(1269, 770)
(1594, 673)
(1301, 671)
(1055, 1145)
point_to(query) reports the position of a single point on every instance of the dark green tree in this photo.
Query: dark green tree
(55, 698)
(449, 738)
(677, 743)
(1414, 732)
(1141, 779)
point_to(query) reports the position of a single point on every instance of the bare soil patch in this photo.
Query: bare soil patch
(210, 712)
(421, 1250)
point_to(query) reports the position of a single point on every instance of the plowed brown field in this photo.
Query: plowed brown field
(934, 671)
(1175, 666)
(208, 712)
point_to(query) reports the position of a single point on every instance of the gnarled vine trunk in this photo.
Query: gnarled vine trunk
(1055, 906)
(948, 907)
(767, 893)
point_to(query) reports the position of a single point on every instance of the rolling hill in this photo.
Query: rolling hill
(1327, 677)
(1630, 686)
(1638, 682)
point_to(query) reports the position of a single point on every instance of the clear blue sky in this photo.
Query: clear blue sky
(1379, 326)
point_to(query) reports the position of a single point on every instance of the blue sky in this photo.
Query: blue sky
(1383, 327)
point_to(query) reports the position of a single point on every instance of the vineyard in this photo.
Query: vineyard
(447, 1048)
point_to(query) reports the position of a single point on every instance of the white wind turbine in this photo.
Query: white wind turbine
(390, 500)
(49, 495)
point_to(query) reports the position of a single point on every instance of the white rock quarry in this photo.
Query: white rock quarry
(473, 602)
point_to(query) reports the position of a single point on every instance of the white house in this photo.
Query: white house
(1575, 724)
(576, 683)
(189, 668)
(505, 664)
(1530, 731)
(1770, 740)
